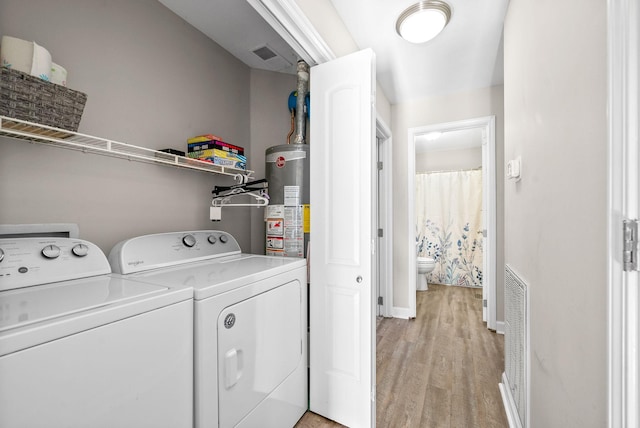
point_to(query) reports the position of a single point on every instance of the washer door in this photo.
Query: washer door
(259, 346)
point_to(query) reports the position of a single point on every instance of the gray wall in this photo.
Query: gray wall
(431, 111)
(152, 80)
(555, 217)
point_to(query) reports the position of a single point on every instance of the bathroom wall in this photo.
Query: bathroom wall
(555, 217)
(430, 111)
(449, 160)
(152, 80)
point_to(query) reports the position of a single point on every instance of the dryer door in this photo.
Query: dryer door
(259, 346)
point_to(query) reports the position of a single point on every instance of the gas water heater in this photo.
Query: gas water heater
(287, 172)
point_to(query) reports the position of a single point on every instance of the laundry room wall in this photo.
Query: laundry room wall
(152, 80)
(431, 111)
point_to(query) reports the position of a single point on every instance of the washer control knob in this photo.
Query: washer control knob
(51, 251)
(80, 250)
(212, 239)
(189, 240)
(224, 239)
(1, 254)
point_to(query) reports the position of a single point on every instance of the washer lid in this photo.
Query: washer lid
(30, 305)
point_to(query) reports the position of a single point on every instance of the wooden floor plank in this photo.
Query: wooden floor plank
(441, 369)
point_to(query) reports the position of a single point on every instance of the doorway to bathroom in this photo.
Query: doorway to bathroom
(468, 141)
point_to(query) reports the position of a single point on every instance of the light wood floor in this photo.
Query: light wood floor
(440, 370)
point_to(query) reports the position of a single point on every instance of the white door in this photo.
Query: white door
(342, 322)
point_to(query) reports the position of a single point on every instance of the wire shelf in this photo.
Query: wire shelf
(43, 134)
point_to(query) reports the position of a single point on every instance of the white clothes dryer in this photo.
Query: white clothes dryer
(250, 323)
(80, 348)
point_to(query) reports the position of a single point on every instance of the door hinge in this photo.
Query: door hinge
(380, 233)
(630, 245)
(379, 166)
(484, 303)
(380, 300)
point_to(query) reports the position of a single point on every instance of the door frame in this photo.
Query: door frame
(386, 221)
(623, 28)
(487, 124)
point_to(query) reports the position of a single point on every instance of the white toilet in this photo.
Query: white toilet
(425, 265)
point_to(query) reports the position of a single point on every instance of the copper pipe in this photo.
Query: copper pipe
(293, 123)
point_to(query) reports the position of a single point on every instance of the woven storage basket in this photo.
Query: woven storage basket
(30, 98)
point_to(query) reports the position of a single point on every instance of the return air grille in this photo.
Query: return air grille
(515, 340)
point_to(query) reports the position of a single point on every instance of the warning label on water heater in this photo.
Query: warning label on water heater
(291, 196)
(285, 230)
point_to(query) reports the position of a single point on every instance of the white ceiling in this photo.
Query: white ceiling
(466, 55)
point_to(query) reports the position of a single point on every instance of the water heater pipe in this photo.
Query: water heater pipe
(302, 89)
(292, 127)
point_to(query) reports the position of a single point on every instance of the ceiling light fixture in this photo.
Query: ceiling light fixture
(423, 21)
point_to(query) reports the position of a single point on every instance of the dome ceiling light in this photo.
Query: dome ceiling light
(423, 21)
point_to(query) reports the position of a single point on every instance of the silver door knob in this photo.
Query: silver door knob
(359, 279)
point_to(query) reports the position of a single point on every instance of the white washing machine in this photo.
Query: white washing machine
(80, 348)
(250, 323)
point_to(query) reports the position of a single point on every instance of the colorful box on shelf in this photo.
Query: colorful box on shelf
(210, 142)
(220, 157)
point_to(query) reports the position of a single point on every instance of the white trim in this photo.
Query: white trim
(286, 17)
(401, 313)
(500, 327)
(411, 223)
(509, 404)
(489, 153)
(623, 29)
(384, 133)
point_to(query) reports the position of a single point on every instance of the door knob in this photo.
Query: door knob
(359, 279)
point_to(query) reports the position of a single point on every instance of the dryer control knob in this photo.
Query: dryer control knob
(80, 250)
(212, 239)
(1, 254)
(224, 239)
(51, 251)
(189, 240)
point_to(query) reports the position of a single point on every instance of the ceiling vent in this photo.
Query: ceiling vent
(265, 53)
(271, 60)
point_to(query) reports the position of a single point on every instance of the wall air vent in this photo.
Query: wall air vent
(514, 386)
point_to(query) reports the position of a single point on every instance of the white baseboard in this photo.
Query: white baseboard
(500, 327)
(509, 404)
(400, 313)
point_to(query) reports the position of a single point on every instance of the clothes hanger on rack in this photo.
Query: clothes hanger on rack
(223, 196)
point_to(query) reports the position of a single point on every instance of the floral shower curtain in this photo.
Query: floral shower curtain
(449, 225)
